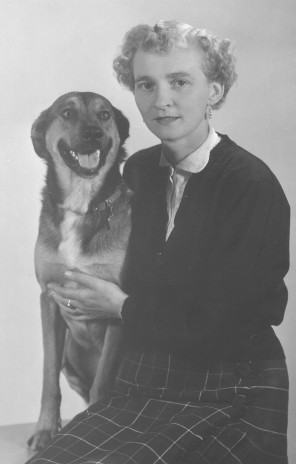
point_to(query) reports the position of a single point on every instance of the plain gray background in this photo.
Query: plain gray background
(49, 47)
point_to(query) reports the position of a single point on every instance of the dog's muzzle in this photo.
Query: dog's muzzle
(84, 164)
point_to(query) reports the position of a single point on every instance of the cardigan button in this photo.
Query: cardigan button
(160, 258)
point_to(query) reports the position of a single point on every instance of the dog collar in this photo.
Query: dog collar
(106, 205)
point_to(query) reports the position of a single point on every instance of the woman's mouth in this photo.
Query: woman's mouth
(166, 120)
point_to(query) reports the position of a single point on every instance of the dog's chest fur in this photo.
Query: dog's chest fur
(70, 247)
(79, 244)
(74, 210)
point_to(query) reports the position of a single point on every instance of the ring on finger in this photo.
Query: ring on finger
(69, 305)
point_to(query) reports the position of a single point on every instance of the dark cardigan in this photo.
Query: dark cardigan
(216, 286)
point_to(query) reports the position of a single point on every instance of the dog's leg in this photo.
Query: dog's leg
(53, 327)
(107, 364)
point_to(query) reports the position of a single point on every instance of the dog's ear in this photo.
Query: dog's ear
(38, 134)
(122, 125)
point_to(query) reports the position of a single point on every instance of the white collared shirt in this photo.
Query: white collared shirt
(181, 173)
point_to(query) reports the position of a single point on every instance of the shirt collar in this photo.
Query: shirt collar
(197, 160)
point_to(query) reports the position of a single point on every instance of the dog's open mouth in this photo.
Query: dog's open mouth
(84, 164)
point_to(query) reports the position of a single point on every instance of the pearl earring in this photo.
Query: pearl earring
(210, 112)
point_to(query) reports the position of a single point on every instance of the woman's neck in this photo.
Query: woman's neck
(176, 150)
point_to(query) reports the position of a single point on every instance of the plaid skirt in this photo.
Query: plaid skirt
(165, 410)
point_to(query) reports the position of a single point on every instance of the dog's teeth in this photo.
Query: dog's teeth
(73, 154)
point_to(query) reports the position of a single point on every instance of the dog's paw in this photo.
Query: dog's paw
(40, 439)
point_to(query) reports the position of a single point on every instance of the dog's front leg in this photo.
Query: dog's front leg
(108, 364)
(53, 327)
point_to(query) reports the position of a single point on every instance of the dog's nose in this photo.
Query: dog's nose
(92, 133)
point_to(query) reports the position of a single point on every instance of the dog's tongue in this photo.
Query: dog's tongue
(89, 161)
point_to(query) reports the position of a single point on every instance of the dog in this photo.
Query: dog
(84, 225)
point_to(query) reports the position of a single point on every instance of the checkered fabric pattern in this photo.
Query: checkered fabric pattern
(164, 410)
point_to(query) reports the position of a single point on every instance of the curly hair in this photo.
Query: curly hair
(218, 62)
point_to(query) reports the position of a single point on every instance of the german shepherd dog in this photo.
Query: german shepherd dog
(85, 226)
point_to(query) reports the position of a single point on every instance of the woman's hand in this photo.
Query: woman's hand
(93, 296)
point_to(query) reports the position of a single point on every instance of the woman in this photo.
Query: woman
(203, 377)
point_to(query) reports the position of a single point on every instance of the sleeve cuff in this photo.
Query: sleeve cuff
(130, 311)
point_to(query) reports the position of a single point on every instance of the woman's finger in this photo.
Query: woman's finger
(77, 309)
(69, 292)
(70, 303)
(71, 306)
(85, 280)
(82, 304)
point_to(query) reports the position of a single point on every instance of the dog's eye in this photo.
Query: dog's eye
(104, 115)
(67, 114)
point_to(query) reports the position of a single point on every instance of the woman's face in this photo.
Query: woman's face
(172, 94)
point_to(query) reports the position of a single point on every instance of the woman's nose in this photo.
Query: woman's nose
(163, 98)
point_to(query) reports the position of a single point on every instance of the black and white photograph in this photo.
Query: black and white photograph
(147, 233)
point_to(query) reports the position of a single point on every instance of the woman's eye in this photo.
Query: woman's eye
(104, 115)
(148, 85)
(67, 114)
(180, 83)
(145, 85)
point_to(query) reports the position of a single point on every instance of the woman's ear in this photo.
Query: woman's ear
(216, 93)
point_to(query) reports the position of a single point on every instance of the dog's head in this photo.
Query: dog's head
(78, 130)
